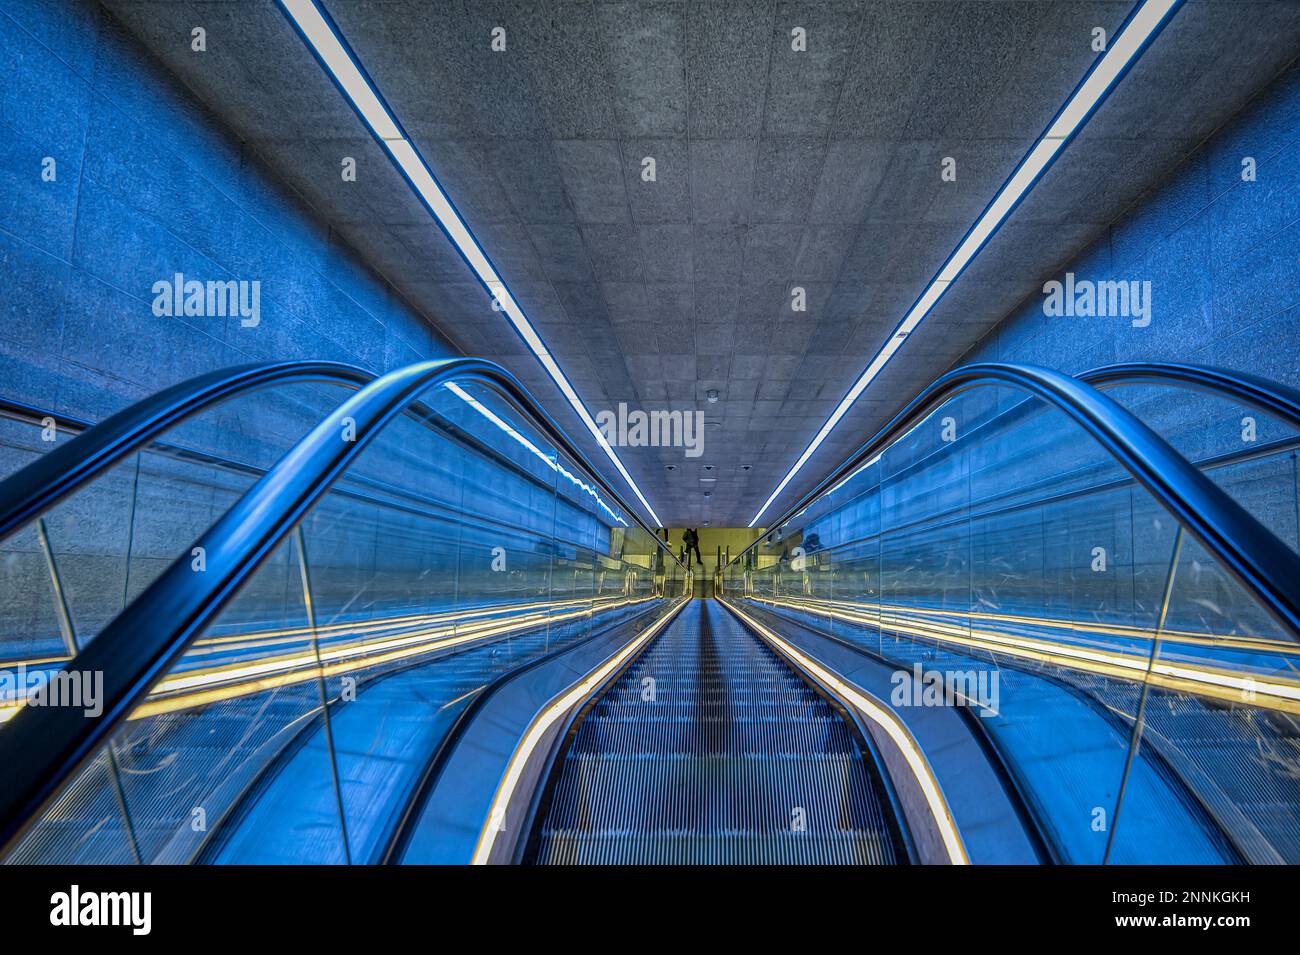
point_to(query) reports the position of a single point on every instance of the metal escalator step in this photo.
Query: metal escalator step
(709, 749)
(790, 848)
(657, 736)
(692, 794)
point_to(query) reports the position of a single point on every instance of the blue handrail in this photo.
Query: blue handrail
(1260, 562)
(27, 493)
(1277, 399)
(42, 747)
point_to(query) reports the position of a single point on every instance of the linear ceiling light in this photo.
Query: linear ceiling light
(551, 461)
(1141, 27)
(326, 42)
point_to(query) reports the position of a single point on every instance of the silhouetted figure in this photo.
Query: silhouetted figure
(691, 544)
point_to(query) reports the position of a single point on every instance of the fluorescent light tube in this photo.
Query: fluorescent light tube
(1139, 30)
(334, 55)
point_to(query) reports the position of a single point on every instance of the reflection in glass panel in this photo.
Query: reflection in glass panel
(1016, 557)
(459, 546)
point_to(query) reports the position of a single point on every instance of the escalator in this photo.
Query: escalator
(711, 750)
(284, 701)
(445, 638)
(1143, 697)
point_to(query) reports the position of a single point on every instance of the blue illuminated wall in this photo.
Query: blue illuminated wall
(1222, 254)
(148, 183)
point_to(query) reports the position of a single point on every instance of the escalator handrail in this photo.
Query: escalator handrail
(29, 492)
(1265, 566)
(34, 489)
(1262, 393)
(399, 836)
(43, 747)
(1277, 399)
(30, 414)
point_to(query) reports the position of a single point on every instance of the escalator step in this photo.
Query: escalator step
(789, 848)
(710, 749)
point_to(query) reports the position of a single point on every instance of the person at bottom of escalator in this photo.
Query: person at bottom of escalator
(691, 542)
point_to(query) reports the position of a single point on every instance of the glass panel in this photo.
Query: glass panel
(458, 547)
(1222, 716)
(1248, 453)
(110, 539)
(1016, 558)
(177, 770)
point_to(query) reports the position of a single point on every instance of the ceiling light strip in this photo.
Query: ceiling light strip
(1137, 32)
(552, 461)
(325, 41)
